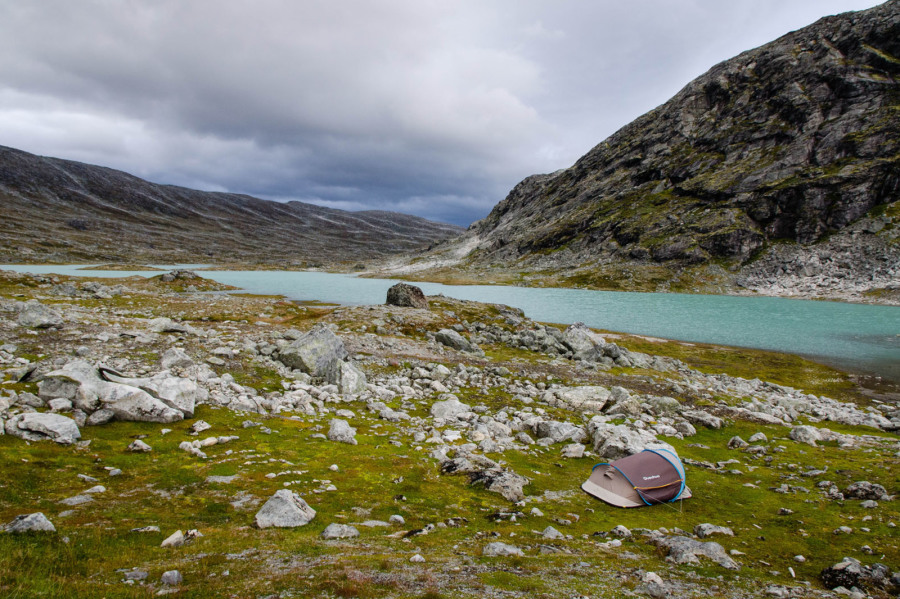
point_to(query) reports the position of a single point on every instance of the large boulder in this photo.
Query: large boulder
(406, 296)
(584, 343)
(314, 351)
(36, 426)
(163, 398)
(341, 431)
(285, 509)
(349, 379)
(36, 315)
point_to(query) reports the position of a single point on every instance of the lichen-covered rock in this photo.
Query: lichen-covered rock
(341, 431)
(349, 379)
(449, 408)
(36, 315)
(314, 351)
(285, 509)
(805, 434)
(406, 296)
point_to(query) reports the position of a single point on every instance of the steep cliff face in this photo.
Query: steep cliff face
(792, 141)
(58, 210)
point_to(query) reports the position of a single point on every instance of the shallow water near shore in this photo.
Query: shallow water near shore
(855, 337)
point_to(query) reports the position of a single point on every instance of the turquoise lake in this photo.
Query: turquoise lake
(855, 337)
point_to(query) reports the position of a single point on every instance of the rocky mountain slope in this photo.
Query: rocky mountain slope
(785, 145)
(55, 210)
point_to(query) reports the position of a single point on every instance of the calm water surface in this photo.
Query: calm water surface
(851, 336)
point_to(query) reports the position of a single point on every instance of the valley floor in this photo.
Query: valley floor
(446, 430)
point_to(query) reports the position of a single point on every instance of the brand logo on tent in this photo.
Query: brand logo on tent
(651, 477)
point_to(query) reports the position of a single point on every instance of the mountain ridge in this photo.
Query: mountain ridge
(100, 213)
(795, 143)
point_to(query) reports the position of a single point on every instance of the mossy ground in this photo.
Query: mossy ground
(386, 474)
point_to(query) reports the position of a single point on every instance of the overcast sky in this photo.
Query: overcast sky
(434, 108)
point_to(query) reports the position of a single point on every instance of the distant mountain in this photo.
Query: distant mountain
(778, 150)
(58, 210)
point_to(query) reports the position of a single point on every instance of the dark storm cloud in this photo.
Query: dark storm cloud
(430, 107)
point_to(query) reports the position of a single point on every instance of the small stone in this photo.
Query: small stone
(137, 575)
(707, 530)
(339, 531)
(417, 559)
(737, 443)
(799, 559)
(172, 578)
(200, 426)
(333, 468)
(498, 549)
(552, 533)
(139, 446)
(397, 519)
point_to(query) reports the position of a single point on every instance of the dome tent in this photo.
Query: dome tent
(650, 477)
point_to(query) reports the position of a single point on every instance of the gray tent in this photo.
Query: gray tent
(650, 477)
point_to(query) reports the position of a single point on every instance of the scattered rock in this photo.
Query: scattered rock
(341, 431)
(36, 315)
(172, 578)
(285, 509)
(865, 490)
(498, 549)
(139, 446)
(36, 522)
(339, 531)
(805, 434)
(314, 351)
(707, 530)
(455, 341)
(685, 550)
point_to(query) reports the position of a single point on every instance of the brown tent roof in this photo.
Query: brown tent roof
(647, 478)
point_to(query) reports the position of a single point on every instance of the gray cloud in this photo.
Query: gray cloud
(429, 107)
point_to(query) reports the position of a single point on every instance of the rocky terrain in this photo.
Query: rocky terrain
(775, 172)
(163, 438)
(62, 211)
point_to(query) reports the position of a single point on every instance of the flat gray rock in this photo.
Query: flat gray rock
(285, 509)
(36, 426)
(339, 531)
(498, 549)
